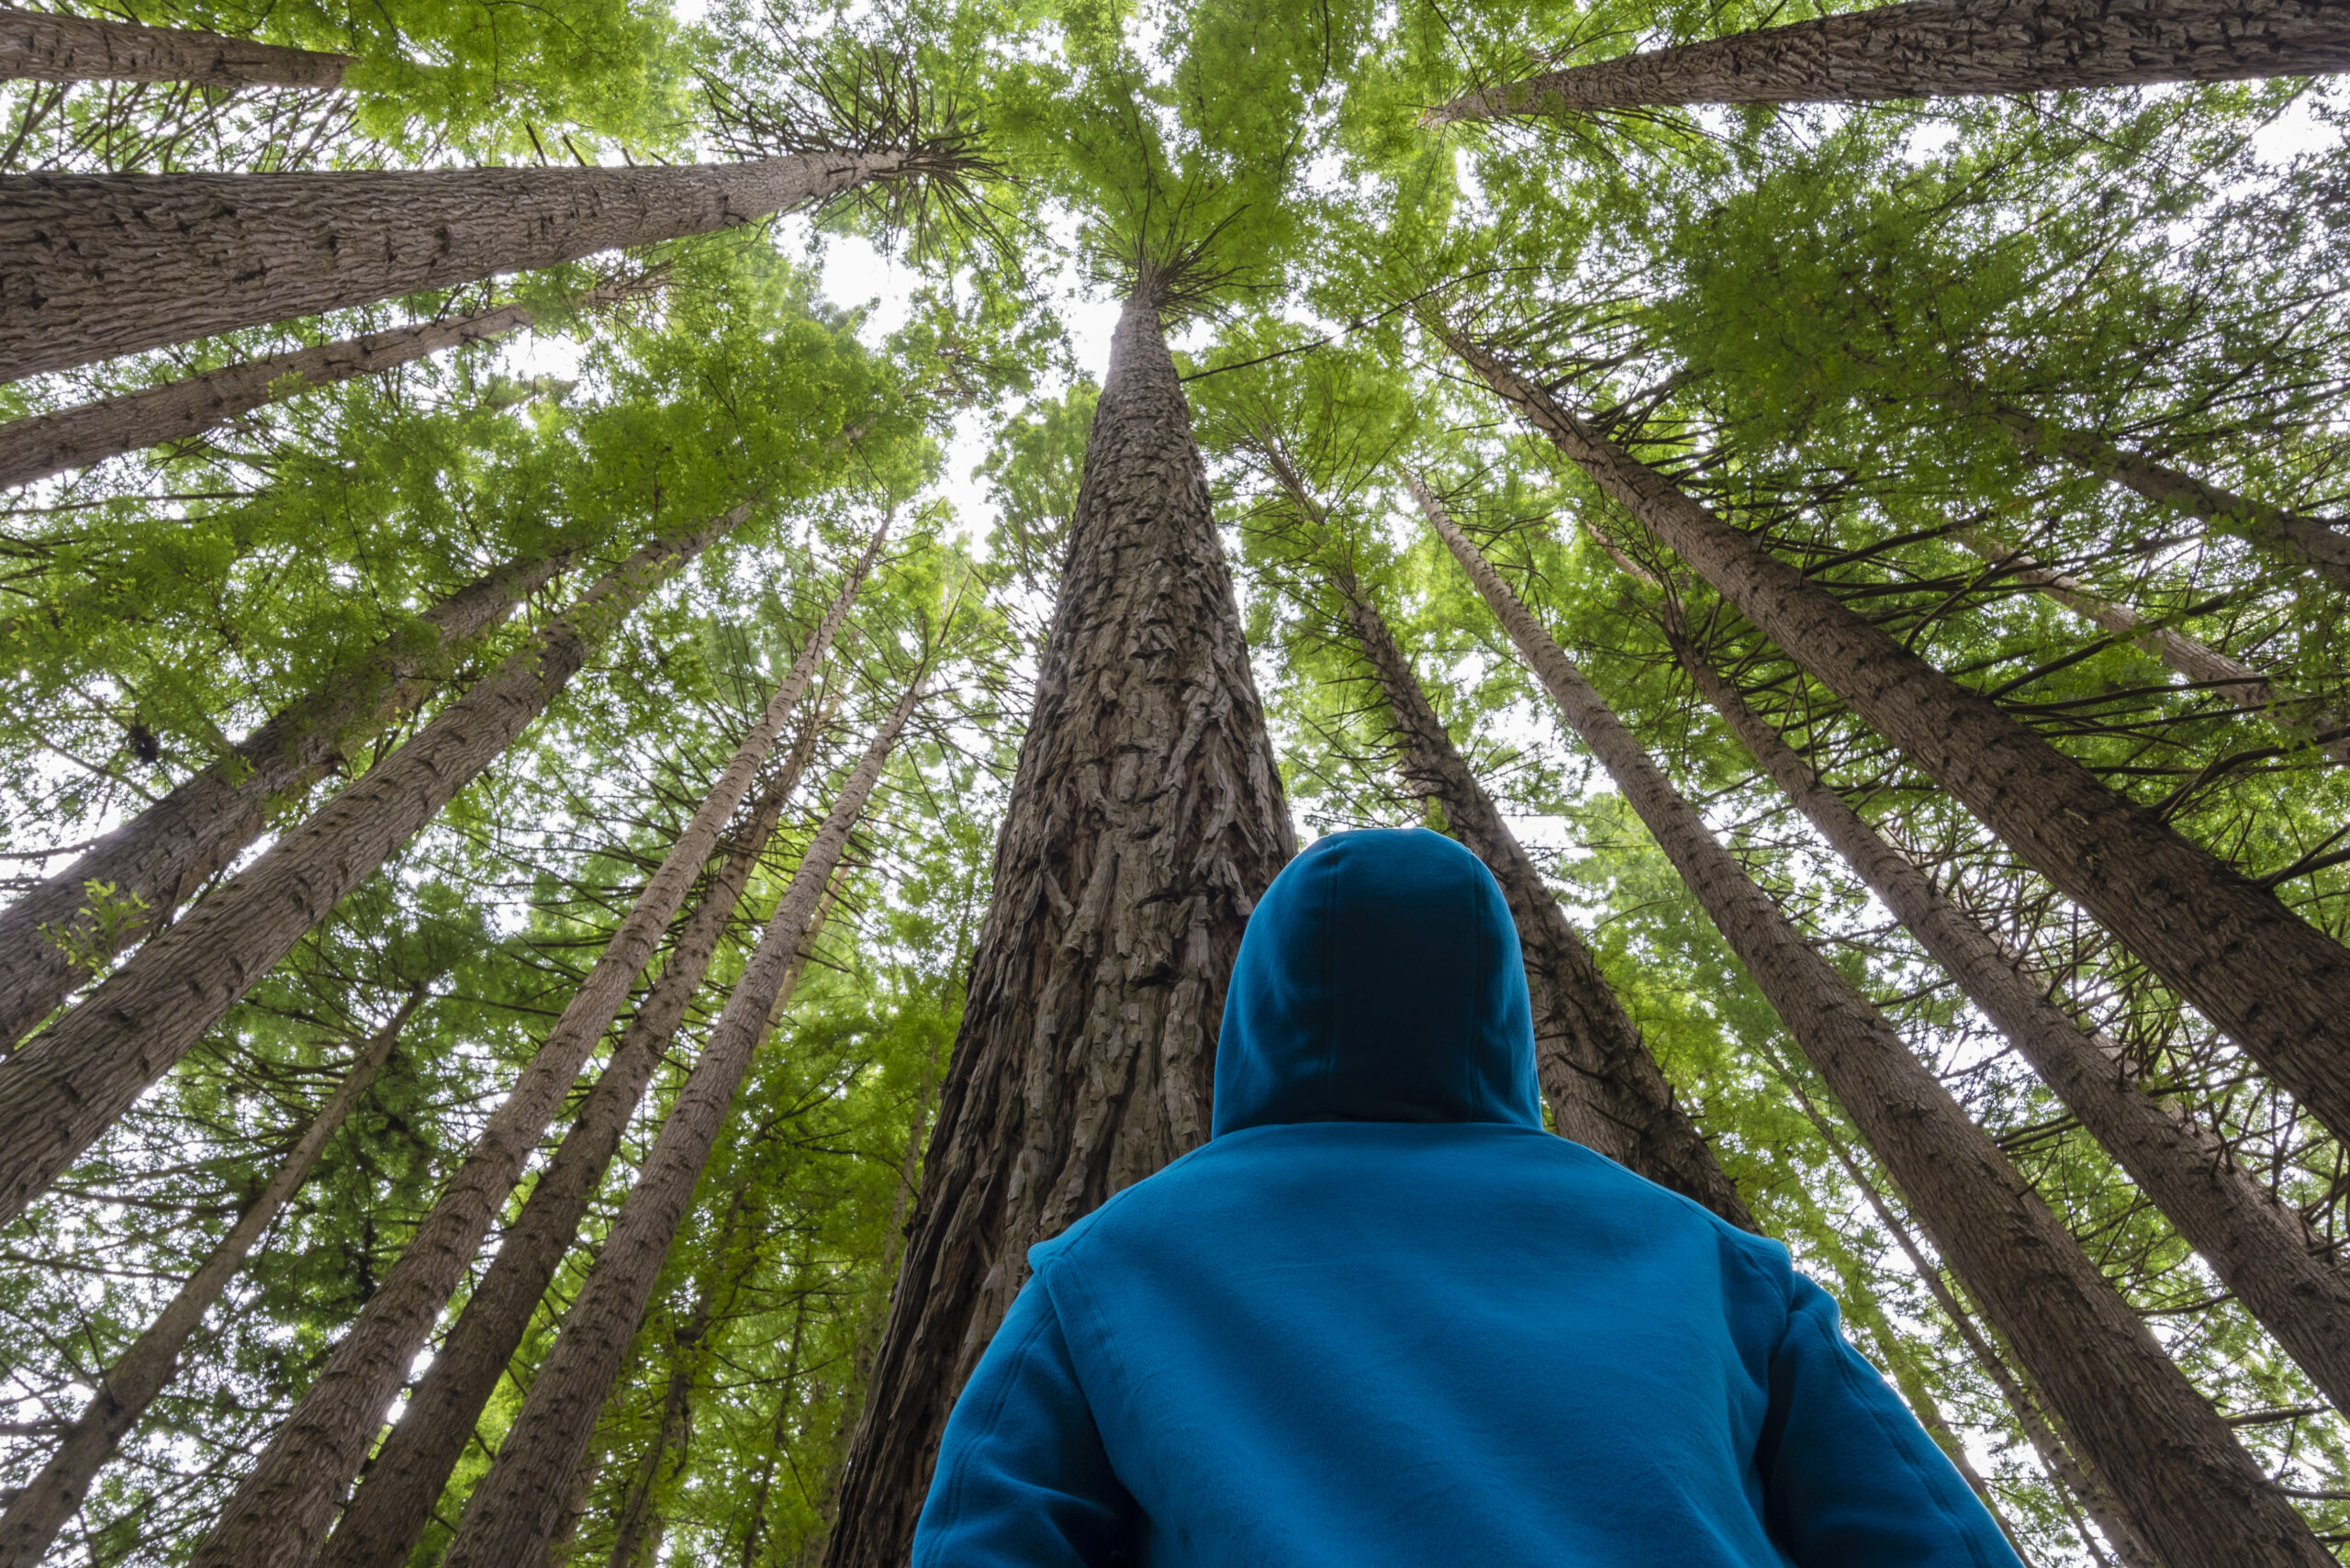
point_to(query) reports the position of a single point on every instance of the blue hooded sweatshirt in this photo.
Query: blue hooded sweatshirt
(1383, 1317)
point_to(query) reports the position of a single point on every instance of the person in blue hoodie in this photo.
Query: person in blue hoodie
(1383, 1317)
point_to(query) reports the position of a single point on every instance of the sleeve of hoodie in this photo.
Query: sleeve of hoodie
(1850, 1479)
(1023, 1481)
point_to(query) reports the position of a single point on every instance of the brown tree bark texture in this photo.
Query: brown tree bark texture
(93, 265)
(283, 1508)
(2174, 1466)
(516, 1506)
(388, 1514)
(41, 46)
(2264, 1251)
(1931, 47)
(42, 444)
(2229, 947)
(1145, 817)
(1605, 1089)
(2298, 718)
(144, 1370)
(70, 1081)
(164, 854)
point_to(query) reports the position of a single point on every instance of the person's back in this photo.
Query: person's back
(1383, 1317)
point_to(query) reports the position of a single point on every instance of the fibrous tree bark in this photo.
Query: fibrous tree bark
(1933, 48)
(2227, 946)
(41, 46)
(40, 445)
(515, 1507)
(2302, 722)
(93, 265)
(70, 1081)
(143, 871)
(1145, 817)
(140, 1372)
(2277, 1267)
(389, 1512)
(2178, 1471)
(283, 1508)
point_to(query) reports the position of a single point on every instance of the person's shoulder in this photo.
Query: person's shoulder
(1657, 1204)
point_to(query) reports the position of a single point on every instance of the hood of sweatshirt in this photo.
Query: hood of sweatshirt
(1379, 980)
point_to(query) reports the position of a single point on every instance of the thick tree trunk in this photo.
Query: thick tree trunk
(514, 1508)
(1145, 817)
(141, 1372)
(1933, 48)
(1605, 1089)
(388, 1514)
(283, 1508)
(2302, 722)
(70, 1082)
(156, 861)
(41, 46)
(42, 444)
(2228, 946)
(93, 265)
(2265, 1252)
(2174, 1466)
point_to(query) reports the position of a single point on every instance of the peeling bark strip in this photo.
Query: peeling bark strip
(2174, 1466)
(2301, 721)
(1145, 817)
(2231, 948)
(516, 1507)
(41, 46)
(142, 1372)
(156, 861)
(93, 265)
(70, 1082)
(1933, 48)
(388, 1514)
(42, 444)
(2264, 1251)
(283, 1509)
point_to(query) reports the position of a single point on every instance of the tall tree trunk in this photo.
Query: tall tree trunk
(1933, 48)
(41, 46)
(394, 1503)
(2176, 1469)
(40, 445)
(70, 1082)
(141, 1372)
(2302, 722)
(156, 861)
(93, 265)
(513, 1508)
(283, 1508)
(2265, 1252)
(1605, 1089)
(1145, 817)
(2228, 946)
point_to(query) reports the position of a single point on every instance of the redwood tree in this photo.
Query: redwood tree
(43, 46)
(1145, 816)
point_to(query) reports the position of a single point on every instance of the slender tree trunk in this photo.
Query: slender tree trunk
(1933, 48)
(156, 861)
(1604, 1087)
(513, 1508)
(94, 265)
(638, 1531)
(394, 1503)
(142, 1372)
(70, 1082)
(283, 1508)
(1145, 816)
(42, 444)
(780, 1432)
(2228, 946)
(2173, 1465)
(2302, 722)
(41, 46)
